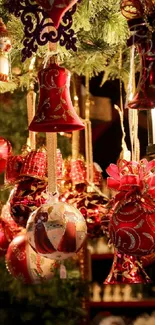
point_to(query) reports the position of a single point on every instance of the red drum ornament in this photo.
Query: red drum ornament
(56, 230)
(126, 269)
(5, 151)
(56, 8)
(28, 195)
(132, 223)
(78, 171)
(27, 266)
(55, 111)
(35, 165)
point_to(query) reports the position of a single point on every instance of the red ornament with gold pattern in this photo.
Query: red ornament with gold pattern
(28, 195)
(35, 165)
(8, 229)
(25, 265)
(55, 111)
(56, 230)
(5, 151)
(56, 8)
(5, 47)
(132, 223)
(126, 269)
(13, 168)
(93, 208)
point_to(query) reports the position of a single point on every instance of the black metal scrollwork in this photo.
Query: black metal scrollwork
(37, 28)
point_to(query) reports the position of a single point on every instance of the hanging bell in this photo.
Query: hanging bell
(126, 269)
(55, 111)
(145, 94)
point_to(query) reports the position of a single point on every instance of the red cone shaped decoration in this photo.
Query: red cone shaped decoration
(126, 269)
(56, 9)
(55, 110)
(145, 96)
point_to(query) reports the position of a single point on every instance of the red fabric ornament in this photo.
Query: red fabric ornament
(13, 168)
(56, 8)
(93, 208)
(8, 229)
(35, 165)
(25, 265)
(5, 151)
(28, 195)
(126, 269)
(132, 224)
(55, 111)
(56, 230)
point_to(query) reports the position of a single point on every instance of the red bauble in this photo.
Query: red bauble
(55, 111)
(126, 269)
(8, 229)
(28, 195)
(132, 227)
(56, 8)
(24, 264)
(5, 150)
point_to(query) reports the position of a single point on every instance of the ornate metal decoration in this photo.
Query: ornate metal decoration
(38, 29)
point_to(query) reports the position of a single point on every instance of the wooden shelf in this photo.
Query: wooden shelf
(128, 304)
(107, 256)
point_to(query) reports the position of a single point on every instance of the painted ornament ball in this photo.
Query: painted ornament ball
(132, 228)
(56, 230)
(24, 264)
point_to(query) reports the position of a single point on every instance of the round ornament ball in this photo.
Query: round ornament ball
(132, 227)
(24, 264)
(8, 229)
(56, 230)
(5, 151)
(28, 195)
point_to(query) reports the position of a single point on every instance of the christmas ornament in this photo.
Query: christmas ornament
(55, 110)
(56, 230)
(126, 269)
(8, 229)
(28, 195)
(132, 9)
(5, 151)
(35, 165)
(24, 264)
(77, 171)
(93, 208)
(132, 224)
(145, 93)
(13, 168)
(5, 47)
(56, 9)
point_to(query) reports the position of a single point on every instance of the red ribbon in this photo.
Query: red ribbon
(129, 176)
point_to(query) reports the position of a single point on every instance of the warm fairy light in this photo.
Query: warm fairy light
(153, 124)
(61, 133)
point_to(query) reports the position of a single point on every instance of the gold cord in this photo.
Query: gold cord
(51, 141)
(31, 101)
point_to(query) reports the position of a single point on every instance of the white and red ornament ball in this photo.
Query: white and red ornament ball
(56, 230)
(24, 264)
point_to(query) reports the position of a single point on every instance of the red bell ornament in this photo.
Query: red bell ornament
(55, 111)
(145, 93)
(126, 269)
(56, 8)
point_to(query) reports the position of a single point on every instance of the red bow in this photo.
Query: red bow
(131, 175)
